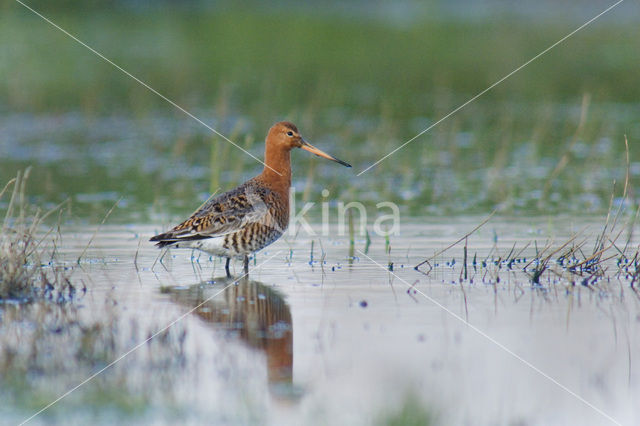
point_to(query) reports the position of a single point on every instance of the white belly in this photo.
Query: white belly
(212, 246)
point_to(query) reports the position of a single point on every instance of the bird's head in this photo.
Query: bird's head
(285, 135)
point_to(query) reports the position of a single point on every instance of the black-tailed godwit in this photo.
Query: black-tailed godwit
(251, 216)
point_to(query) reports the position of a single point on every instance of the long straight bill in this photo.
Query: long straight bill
(312, 149)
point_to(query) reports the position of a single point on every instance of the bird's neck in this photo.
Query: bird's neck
(277, 170)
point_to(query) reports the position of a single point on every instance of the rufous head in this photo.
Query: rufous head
(284, 135)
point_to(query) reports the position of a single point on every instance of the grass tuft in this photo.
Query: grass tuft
(27, 269)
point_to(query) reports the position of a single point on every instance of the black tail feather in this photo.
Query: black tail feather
(169, 238)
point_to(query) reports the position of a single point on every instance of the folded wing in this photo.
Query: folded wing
(224, 214)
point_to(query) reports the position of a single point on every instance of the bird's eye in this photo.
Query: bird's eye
(289, 133)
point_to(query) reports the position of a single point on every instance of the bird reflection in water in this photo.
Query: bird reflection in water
(256, 314)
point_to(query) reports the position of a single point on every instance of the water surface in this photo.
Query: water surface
(341, 339)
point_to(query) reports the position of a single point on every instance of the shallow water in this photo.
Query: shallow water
(161, 164)
(345, 340)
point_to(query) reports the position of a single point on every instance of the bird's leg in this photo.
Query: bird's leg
(226, 267)
(246, 264)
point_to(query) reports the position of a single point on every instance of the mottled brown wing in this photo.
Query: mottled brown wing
(222, 215)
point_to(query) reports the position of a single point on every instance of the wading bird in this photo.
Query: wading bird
(251, 216)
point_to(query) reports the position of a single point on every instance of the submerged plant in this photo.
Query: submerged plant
(411, 412)
(60, 348)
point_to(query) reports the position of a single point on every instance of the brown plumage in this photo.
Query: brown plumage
(251, 216)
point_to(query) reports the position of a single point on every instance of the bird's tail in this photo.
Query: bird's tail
(165, 239)
(170, 238)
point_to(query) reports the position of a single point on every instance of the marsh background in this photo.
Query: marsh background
(359, 79)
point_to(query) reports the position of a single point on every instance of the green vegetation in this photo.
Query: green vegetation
(301, 63)
(411, 413)
(547, 140)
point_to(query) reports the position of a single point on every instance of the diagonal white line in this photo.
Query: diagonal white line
(495, 342)
(100, 55)
(139, 345)
(493, 85)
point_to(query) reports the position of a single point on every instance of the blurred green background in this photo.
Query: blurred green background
(358, 78)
